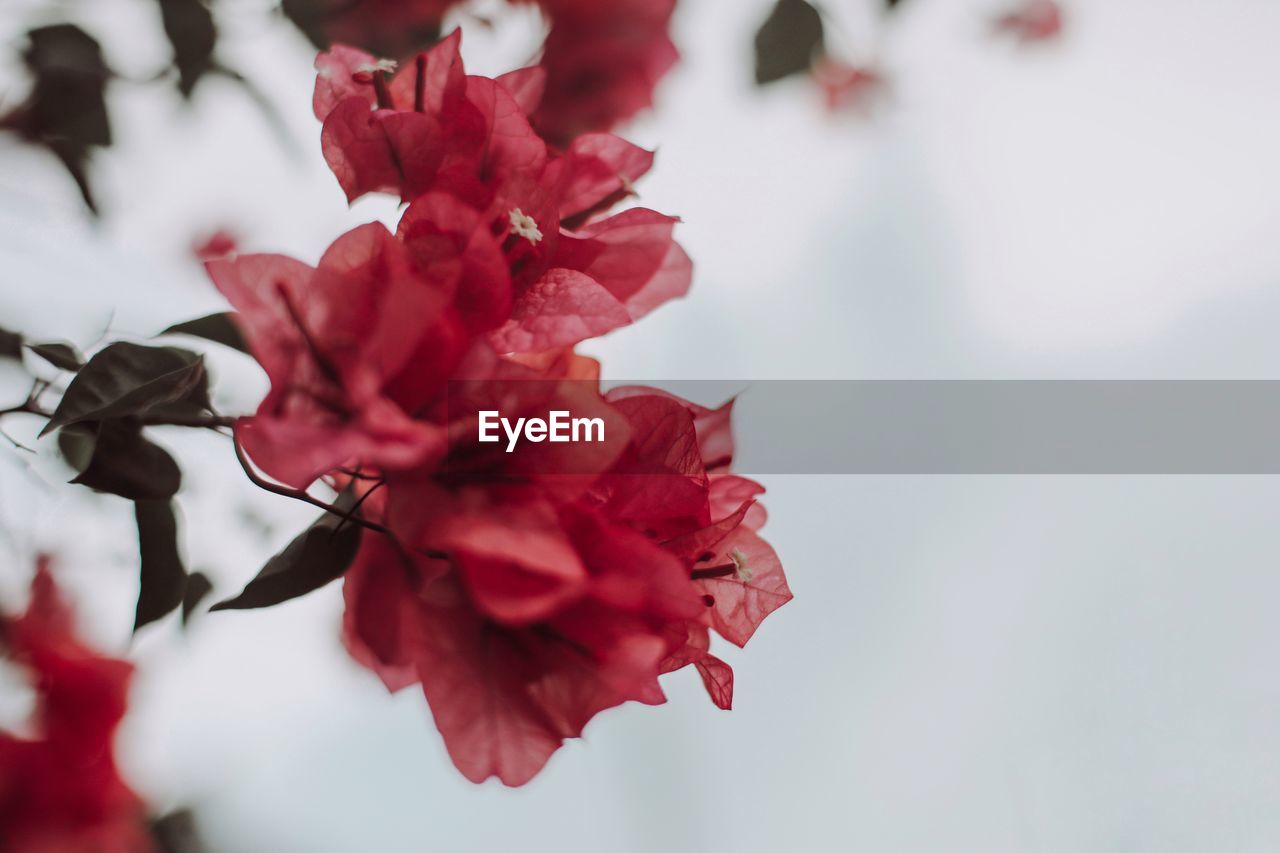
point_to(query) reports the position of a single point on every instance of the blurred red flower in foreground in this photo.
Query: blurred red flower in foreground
(60, 791)
(525, 591)
(1035, 20)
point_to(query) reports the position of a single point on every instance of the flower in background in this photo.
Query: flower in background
(603, 60)
(848, 87)
(219, 244)
(1033, 21)
(60, 789)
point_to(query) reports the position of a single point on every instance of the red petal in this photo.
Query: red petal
(336, 70)
(251, 283)
(517, 563)
(561, 308)
(452, 246)
(375, 589)
(662, 475)
(380, 151)
(526, 86)
(717, 677)
(503, 701)
(633, 255)
(729, 491)
(740, 605)
(601, 167)
(296, 451)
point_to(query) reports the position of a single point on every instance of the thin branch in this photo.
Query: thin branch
(301, 495)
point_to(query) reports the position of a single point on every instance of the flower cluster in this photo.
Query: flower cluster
(603, 58)
(59, 788)
(524, 591)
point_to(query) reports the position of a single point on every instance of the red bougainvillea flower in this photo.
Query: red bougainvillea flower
(448, 142)
(351, 347)
(1034, 21)
(60, 791)
(549, 606)
(603, 59)
(528, 589)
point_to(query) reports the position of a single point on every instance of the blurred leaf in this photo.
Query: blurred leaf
(10, 344)
(787, 41)
(892, 4)
(219, 328)
(198, 586)
(311, 17)
(129, 379)
(121, 461)
(163, 576)
(176, 832)
(76, 443)
(322, 553)
(66, 111)
(189, 26)
(319, 20)
(61, 356)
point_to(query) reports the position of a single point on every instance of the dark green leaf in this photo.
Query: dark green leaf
(321, 554)
(10, 345)
(129, 379)
(76, 443)
(198, 586)
(788, 41)
(163, 576)
(121, 461)
(66, 109)
(219, 328)
(61, 356)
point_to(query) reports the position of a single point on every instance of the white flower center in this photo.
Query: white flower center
(524, 226)
(740, 565)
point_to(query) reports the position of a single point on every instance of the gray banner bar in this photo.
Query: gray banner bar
(999, 427)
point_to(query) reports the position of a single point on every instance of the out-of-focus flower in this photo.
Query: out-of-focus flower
(219, 244)
(1033, 21)
(603, 59)
(60, 791)
(848, 87)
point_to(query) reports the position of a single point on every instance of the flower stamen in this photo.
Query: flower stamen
(523, 225)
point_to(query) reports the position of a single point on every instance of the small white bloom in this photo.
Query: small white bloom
(525, 226)
(740, 565)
